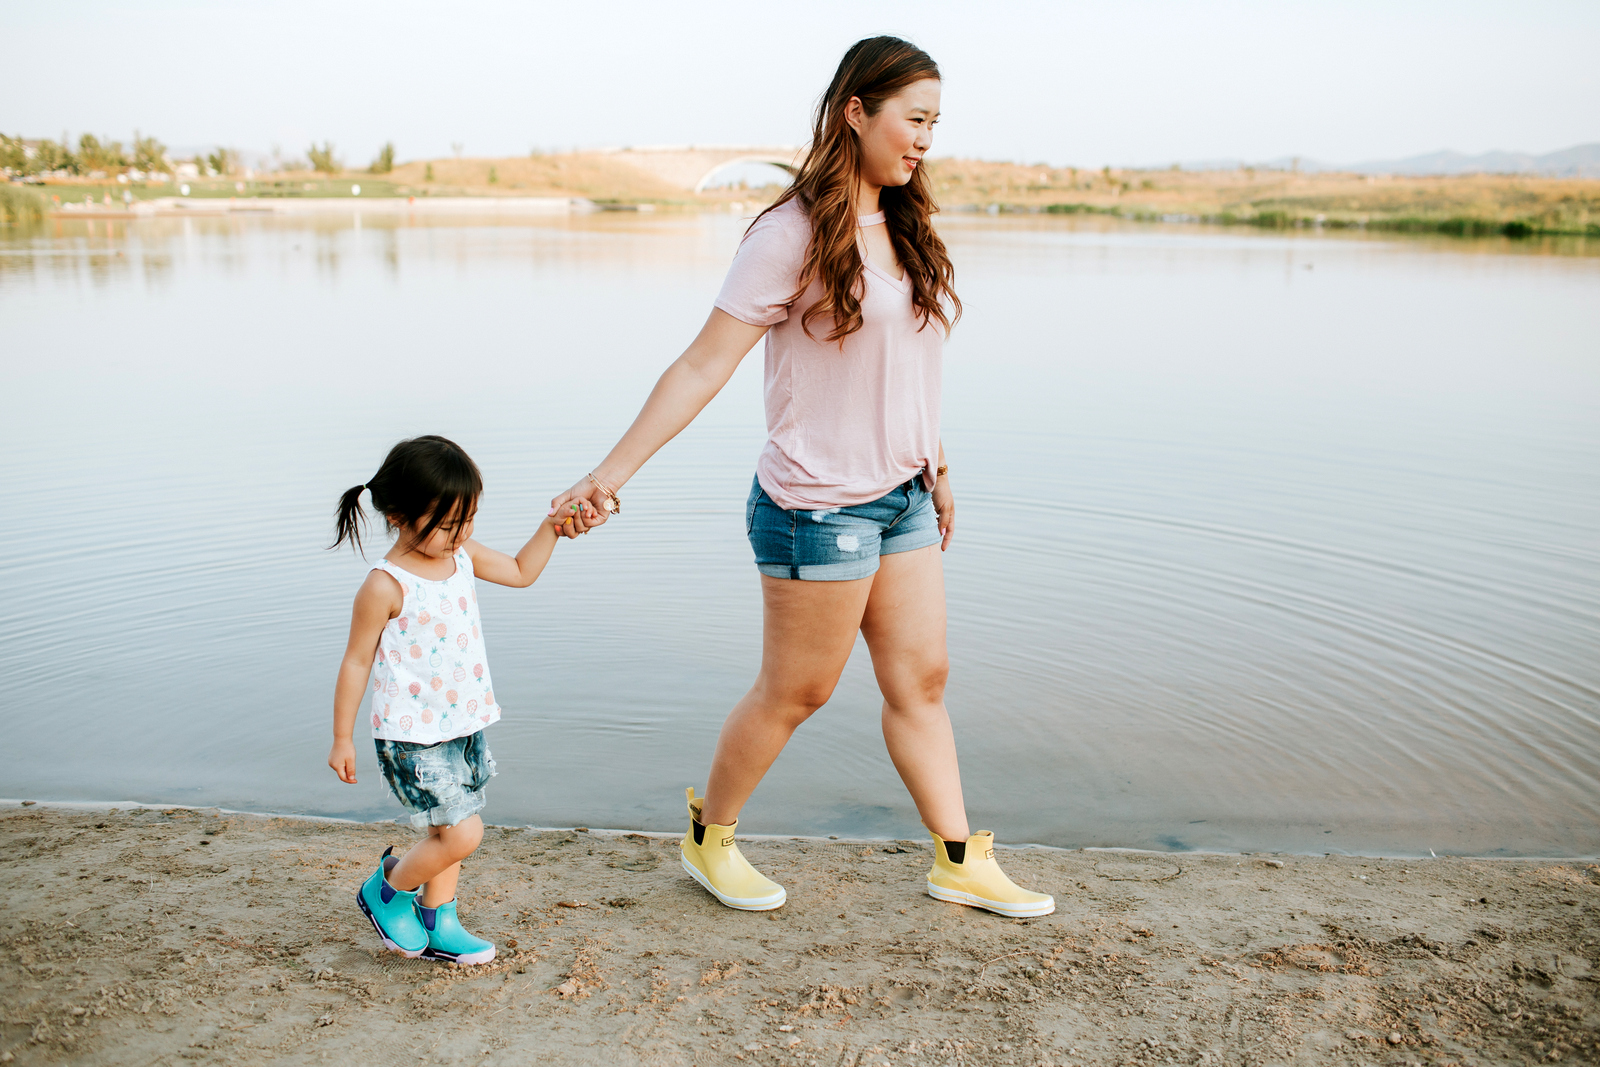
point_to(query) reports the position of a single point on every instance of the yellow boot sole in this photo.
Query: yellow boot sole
(999, 907)
(767, 903)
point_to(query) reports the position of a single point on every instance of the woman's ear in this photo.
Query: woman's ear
(855, 114)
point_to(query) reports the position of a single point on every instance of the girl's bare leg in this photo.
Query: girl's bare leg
(434, 864)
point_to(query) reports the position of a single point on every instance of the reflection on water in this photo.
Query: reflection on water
(1264, 541)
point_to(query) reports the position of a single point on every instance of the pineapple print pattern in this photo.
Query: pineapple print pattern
(429, 678)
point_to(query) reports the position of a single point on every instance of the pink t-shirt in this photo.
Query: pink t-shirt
(843, 426)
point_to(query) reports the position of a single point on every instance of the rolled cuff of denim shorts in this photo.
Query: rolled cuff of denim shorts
(919, 536)
(847, 571)
(457, 809)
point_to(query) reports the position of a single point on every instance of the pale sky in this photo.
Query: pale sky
(1131, 82)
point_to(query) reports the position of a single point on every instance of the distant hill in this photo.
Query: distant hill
(1579, 161)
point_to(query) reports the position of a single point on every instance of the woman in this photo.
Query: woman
(851, 504)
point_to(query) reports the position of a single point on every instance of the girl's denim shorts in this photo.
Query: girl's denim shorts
(839, 544)
(440, 784)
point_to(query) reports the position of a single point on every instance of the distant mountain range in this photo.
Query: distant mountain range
(1579, 161)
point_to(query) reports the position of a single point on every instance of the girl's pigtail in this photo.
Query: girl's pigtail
(351, 518)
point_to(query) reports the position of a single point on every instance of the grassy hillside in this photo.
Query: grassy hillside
(592, 175)
(1465, 204)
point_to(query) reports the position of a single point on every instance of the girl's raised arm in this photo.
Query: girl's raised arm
(377, 601)
(683, 390)
(523, 569)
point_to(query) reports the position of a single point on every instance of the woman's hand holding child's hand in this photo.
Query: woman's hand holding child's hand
(576, 512)
(342, 758)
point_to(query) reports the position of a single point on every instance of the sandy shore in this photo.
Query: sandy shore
(151, 936)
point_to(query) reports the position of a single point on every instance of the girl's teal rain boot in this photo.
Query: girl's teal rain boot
(448, 941)
(391, 911)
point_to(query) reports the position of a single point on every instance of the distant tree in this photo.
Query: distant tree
(49, 156)
(322, 158)
(385, 161)
(223, 161)
(13, 155)
(149, 154)
(494, 177)
(94, 155)
(427, 173)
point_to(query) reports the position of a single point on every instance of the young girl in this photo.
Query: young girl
(415, 631)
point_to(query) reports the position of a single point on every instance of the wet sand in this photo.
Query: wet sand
(165, 936)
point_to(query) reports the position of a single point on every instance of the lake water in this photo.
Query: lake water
(1265, 542)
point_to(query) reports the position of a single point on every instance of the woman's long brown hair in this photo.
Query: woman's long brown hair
(874, 70)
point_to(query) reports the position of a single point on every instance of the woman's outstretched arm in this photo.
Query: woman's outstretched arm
(680, 394)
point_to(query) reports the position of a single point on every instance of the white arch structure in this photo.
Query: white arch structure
(692, 166)
(788, 165)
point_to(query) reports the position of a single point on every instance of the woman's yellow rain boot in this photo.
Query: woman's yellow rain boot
(713, 860)
(967, 874)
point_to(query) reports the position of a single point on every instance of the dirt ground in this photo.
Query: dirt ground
(151, 936)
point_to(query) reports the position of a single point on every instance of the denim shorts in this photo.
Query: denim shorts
(440, 784)
(839, 544)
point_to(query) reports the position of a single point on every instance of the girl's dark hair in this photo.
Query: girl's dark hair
(418, 476)
(874, 70)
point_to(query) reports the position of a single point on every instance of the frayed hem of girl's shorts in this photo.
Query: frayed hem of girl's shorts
(447, 815)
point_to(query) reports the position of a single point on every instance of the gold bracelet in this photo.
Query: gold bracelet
(944, 468)
(613, 502)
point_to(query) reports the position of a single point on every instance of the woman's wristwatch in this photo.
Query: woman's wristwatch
(944, 468)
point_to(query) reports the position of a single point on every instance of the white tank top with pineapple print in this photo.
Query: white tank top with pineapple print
(431, 679)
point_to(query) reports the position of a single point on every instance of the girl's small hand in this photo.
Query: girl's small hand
(342, 758)
(944, 506)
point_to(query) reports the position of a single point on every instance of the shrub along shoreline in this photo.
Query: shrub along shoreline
(20, 205)
(1456, 225)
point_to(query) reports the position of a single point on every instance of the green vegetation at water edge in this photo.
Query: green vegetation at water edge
(1456, 226)
(19, 205)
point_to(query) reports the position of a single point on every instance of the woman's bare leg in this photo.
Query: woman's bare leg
(904, 624)
(808, 630)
